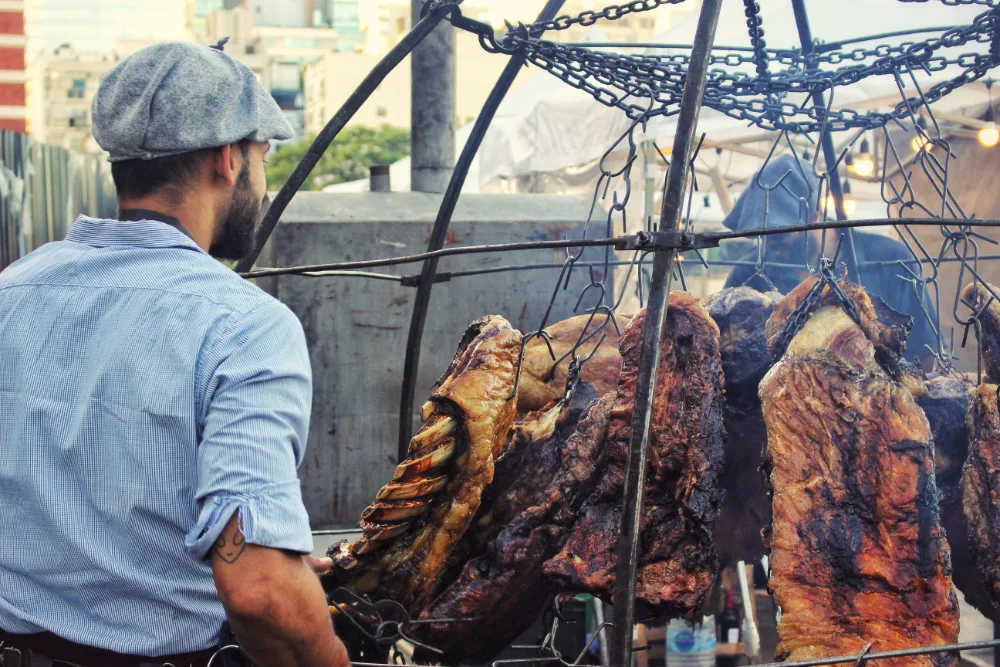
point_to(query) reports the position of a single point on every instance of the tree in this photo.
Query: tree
(348, 158)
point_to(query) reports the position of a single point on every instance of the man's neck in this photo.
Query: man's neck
(195, 217)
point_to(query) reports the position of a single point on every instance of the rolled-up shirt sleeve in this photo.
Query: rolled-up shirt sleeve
(253, 436)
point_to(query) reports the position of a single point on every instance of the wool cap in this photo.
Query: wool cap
(178, 97)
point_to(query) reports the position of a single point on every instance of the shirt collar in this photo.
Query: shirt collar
(100, 233)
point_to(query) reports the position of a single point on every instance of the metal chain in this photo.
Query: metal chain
(589, 18)
(614, 12)
(799, 316)
(957, 3)
(626, 81)
(797, 319)
(754, 22)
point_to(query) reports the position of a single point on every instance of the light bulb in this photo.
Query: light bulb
(920, 143)
(850, 206)
(864, 165)
(989, 136)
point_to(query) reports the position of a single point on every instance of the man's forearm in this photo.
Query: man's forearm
(298, 631)
(275, 604)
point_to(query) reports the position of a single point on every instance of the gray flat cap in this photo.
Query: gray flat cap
(178, 97)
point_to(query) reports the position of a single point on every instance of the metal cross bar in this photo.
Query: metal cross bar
(656, 311)
(706, 237)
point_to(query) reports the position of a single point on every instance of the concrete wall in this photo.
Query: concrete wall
(357, 328)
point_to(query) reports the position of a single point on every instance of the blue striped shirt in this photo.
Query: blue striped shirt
(146, 394)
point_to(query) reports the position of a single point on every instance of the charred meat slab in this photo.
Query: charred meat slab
(500, 593)
(981, 488)
(418, 518)
(740, 313)
(857, 549)
(945, 402)
(677, 561)
(989, 329)
(543, 381)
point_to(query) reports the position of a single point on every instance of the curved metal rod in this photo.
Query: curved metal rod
(607, 176)
(583, 338)
(421, 301)
(628, 275)
(594, 284)
(336, 124)
(544, 335)
(228, 647)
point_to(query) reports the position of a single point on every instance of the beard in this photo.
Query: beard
(237, 226)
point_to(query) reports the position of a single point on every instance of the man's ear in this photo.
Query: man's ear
(226, 164)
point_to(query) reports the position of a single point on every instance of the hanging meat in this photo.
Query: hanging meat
(530, 433)
(981, 488)
(945, 402)
(677, 561)
(989, 329)
(857, 550)
(417, 519)
(542, 381)
(740, 313)
(501, 590)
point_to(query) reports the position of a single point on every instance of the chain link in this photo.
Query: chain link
(589, 18)
(798, 317)
(754, 22)
(624, 81)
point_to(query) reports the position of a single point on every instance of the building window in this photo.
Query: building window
(345, 17)
(77, 90)
(78, 119)
(381, 112)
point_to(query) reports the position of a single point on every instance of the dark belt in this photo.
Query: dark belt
(22, 650)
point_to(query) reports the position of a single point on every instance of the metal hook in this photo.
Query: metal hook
(544, 335)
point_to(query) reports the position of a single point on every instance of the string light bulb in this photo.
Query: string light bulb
(989, 135)
(864, 164)
(920, 141)
(850, 206)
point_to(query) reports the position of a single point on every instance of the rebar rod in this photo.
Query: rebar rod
(826, 140)
(656, 310)
(578, 243)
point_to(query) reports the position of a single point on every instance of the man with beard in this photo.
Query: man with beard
(785, 192)
(154, 407)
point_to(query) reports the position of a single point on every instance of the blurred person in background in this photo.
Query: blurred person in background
(792, 201)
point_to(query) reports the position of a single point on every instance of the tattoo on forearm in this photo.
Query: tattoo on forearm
(230, 550)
